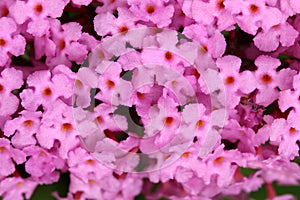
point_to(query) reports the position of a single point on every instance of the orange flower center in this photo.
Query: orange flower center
(229, 80)
(2, 42)
(220, 4)
(61, 44)
(1, 88)
(47, 92)
(202, 49)
(43, 153)
(90, 162)
(66, 127)
(150, 9)
(99, 119)
(169, 120)
(196, 73)
(266, 78)
(200, 123)
(2, 149)
(78, 83)
(253, 8)
(168, 55)
(5, 11)
(140, 95)
(292, 130)
(28, 123)
(123, 29)
(91, 181)
(19, 184)
(218, 160)
(38, 8)
(101, 55)
(110, 84)
(186, 154)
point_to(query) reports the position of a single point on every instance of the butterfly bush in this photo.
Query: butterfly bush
(175, 99)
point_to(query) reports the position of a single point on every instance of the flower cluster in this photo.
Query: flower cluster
(151, 99)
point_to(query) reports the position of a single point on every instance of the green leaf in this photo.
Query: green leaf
(116, 13)
(297, 160)
(140, 197)
(154, 187)
(237, 27)
(225, 33)
(45, 191)
(75, 67)
(268, 110)
(247, 171)
(261, 193)
(163, 198)
(287, 189)
(283, 57)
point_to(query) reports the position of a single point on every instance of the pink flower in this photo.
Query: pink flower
(8, 154)
(37, 11)
(233, 80)
(267, 79)
(42, 165)
(4, 7)
(180, 19)
(198, 10)
(244, 136)
(284, 133)
(23, 128)
(214, 43)
(290, 98)
(205, 12)
(111, 5)
(107, 23)
(62, 42)
(47, 87)
(153, 11)
(166, 121)
(269, 40)
(10, 80)
(81, 2)
(16, 188)
(252, 15)
(10, 41)
(58, 129)
(223, 164)
(108, 81)
(196, 116)
(86, 172)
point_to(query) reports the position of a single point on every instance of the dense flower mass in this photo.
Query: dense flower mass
(151, 99)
